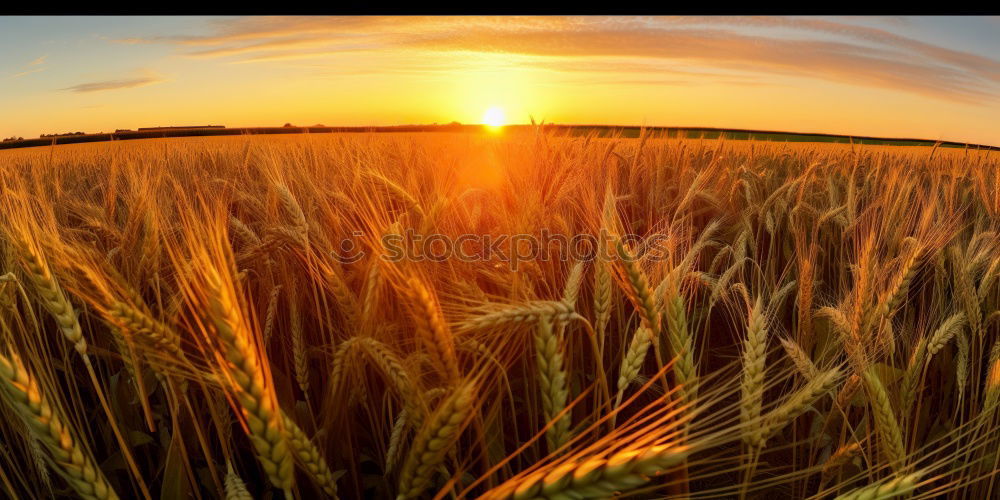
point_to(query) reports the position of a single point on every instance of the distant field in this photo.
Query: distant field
(566, 130)
(510, 133)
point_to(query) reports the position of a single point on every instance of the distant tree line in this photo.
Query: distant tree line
(62, 135)
(13, 138)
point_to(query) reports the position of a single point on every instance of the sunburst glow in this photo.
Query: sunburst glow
(494, 117)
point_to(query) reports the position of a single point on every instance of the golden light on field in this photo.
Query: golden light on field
(474, 265)
(494, 117)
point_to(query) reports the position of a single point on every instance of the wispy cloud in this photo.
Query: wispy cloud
(28, 72)
(35, 66)
(127, 83)
(757, 47)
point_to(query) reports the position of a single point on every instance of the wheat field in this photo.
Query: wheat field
(179, 319)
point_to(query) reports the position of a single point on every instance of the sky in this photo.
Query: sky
(922, 77)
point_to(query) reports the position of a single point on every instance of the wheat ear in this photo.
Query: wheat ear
(638, 290)
(754, 370)
(52, 296)
(434, 440)
(395, 441)
(157, 334)
(891, 437)
(307, 454)
(240, 228)
(499, 315)
(246, 377)
(236, 489)
(602, 292)
(633, 359)
(944, 333)
(294, 211)
(433, 330)
(300, 358)
(886, 490)
(392, 368)
(925, 349)
(572, 289)
(900, 284)
(961, 364)
(993, 379)
(373, 282)
(342, 294)
(594, 477)
(339, 362)
(272, 311)
(793, 406)
(47, 424)
(681, 343)
(838, 459)
(799, 358)
(552, 382)
(914, 370)
(966, 292)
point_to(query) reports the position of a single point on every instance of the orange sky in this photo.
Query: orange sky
(933, 78)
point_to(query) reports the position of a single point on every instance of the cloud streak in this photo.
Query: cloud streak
(28, 72)
(101, 86)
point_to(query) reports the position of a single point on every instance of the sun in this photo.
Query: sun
(494, 117)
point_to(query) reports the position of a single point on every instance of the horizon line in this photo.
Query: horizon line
(11, 144)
